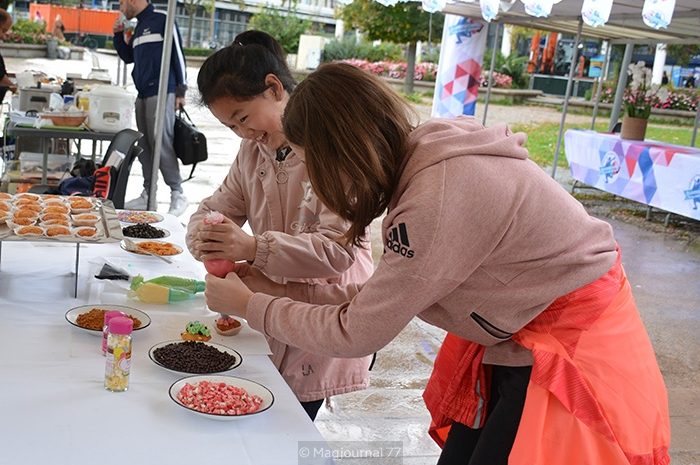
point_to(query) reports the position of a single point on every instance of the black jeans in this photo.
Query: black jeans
(491, 444)
(312, 407)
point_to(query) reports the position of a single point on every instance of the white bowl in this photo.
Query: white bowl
(236, 363)
(136, 216)
(250, 386)
(72, 316)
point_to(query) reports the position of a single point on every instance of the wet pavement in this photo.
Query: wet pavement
(663, 272)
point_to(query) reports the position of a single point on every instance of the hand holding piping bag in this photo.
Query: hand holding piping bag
(222, 242)
(217, 267)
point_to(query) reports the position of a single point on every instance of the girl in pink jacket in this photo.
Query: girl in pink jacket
(246, 86)
(546, 360)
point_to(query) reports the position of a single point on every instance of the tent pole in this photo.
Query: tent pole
(162, 100)
(621, 84)
(695, 127)
(601, 80)
(493, 63)
(572, 69)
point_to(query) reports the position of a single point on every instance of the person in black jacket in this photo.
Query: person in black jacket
(144, 49)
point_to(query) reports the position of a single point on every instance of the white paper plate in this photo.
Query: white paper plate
(250, 386)
(235, 364)
(124, 247)
(136, 216)
(72, 316)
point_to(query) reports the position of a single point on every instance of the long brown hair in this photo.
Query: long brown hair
(354, 131)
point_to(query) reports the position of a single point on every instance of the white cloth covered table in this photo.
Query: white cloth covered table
(660, 175)
(54, 407)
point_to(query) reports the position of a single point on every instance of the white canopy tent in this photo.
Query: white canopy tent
(625, 25)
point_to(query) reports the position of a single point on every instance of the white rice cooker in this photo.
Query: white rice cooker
(111, 108)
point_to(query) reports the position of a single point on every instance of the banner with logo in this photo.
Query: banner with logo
(459, 71)
(663, 176)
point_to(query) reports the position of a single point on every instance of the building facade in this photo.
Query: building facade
(231, 18)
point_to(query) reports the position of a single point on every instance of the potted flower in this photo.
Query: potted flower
(639, 97)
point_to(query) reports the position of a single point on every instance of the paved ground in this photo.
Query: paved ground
(663, 270)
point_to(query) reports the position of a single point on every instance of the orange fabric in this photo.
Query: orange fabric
(596, 395)
(548, 54)
(599, 386)
(81, 20)
(534, 53)
(457, 364)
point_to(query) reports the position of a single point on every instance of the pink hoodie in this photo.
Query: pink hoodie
(296, 239)
(478, 240)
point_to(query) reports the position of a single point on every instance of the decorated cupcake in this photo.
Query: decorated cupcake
(196, 331)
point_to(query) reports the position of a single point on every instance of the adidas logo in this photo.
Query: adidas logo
(398, 241)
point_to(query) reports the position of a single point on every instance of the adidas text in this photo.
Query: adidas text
(399, 249)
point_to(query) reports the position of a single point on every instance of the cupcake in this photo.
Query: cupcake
(196, 331)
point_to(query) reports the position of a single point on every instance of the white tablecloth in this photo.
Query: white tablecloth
(54, 407)
(661, 175)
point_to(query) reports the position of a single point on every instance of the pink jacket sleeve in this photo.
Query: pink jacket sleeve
(307, 255)
(334, 294)
(355, 328)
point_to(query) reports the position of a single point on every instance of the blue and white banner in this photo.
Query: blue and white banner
(661, 175)
(459, 70)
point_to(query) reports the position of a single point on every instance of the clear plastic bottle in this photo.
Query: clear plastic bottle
(118, 363)
(105, 329)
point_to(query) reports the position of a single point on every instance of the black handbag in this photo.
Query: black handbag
(190, 144)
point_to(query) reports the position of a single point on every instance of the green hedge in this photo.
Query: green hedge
(198, 52)
(348, 48)
(27, 32)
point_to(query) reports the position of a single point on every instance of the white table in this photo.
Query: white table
(657, 174)
(54, 407)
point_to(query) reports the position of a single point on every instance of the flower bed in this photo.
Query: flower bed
(30, 39)
(500, 80)
(397, 70)
(27, 32)
(678, 99)
(423, 71)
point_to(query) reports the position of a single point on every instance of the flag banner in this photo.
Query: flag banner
(459, 70)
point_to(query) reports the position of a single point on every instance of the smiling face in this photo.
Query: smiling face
(259, 118)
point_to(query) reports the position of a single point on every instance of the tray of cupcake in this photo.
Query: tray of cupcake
(35, 217)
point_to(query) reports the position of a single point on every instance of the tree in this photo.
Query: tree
(683, 53)
(210, 8)
(403, 23)
(285, 28)
(191, 7)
